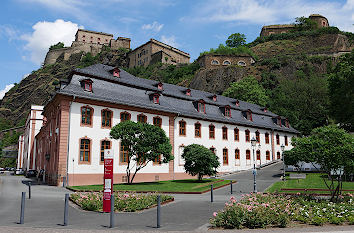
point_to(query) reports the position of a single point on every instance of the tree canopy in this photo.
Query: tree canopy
(143, 143)
(58, 45)
(341, 92)
(236, 40)
(248, 89)
(331, 148)
(200, 161)
(304, 24)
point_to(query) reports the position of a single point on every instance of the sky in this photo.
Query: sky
(29, 27)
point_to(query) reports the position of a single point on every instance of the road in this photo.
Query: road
(44, 211)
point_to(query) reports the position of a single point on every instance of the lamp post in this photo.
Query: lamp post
(282, 147)
(253, 144)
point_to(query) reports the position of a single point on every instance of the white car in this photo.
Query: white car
(19, 171)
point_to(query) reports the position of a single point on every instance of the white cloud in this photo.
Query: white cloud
(46, 34)
(6, 89)
(273, 11)
(9, 31)
(170, 40)
(155, 26)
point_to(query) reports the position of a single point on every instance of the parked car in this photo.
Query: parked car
(19, 171)
(31, 173)
(2, 170)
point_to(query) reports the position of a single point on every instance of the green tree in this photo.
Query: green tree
(304, 24)
(331, 148)
(58, 45)
(144, 143)
(236, 40)
(200, 161)
(341, 92)
(248, 89)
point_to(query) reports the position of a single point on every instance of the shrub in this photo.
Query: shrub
(350, 220)
(336, 220)
(232, 217)
(318, 221)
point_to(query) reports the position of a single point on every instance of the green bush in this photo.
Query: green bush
(226, 50)
(318, 221)
(230, 218)
(336, 220)
(350, 220)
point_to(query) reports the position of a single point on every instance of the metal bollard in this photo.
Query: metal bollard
(29, 189)
(111, 222)
(23, 199)
(64, 181)
(211, 194)
(66, 209)
(231, 186)
(158, 211)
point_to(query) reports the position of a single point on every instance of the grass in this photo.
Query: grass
(312, 181)
(191, 185)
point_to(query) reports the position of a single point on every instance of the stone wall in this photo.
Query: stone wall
(276, 29)
(120, 42)
(212, 61)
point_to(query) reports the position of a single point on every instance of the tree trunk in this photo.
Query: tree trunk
(200, 177)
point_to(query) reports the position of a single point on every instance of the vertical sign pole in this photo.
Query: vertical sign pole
(231, 186)
(158, 211)
(107, 180)
(211, 193)
(23, 199)
(111, 222)
(29, 189)
(66, 209)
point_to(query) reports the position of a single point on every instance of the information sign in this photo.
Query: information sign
(107, 179)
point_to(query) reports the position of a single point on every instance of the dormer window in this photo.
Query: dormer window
(248, 114)
(188, 92)
(160, 86)
(287, 123)
(87, 85)
(227, 111)
(201, 106)
(237, 103)
(116, 72)
(214, 98)
(155, 99)
(279, 121)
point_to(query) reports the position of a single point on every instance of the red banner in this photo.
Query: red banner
(107, 180)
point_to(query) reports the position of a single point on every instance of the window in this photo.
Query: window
(106, 116)
(224, 133)
(248, 154)
(258, 137)
(182, 128)
(140, 159)
(180, 153)
(237, 154)
(160, 86)
(123, 154)
(105, 144)
(86, 84)
(267, 155)
(201, 106)
(116, 72)
(157, 160)
(237, 103)
(157, 121)
(258, 153)
(249, 115)
(226, 63)
(86, 116)
(286, 140)
(225, 156)
(124, 116)
(155, 99)
(197, 130)
(142, 118)
(227, 111)
(266, 138)
(212, 149)
(215, 62)
(278, 155)
(247, 135)
(211, 131)
(85, 150)
(241, 63)
(237, 134)
(278, 139)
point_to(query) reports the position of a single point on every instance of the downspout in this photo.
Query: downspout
(272, 145)
(174, 120)
(67, 154)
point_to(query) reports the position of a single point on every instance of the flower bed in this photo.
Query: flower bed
(262, 210)
(126, 202)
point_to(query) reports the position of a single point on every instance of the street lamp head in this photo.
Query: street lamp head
(282, 147)
(253, 142)
(259, 146)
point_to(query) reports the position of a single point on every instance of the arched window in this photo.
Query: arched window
(247, 135)
(225, 156)
(105, 144)
(266, 138)
(278, 155)
(267, 155)
(224, 133)
(286, 140)
(86, 116)
(241, 63)
(157, 160)
(142, 118)
(157, 121)
(125, 116)
(123, 155)
(197, 130)
(201, 106)
(156, 98)
(227, 111)
(106, 116)
(215, 62)
(258, 137)
(278, 139)
(237, 154)
(85, 150)
(237, 134)
(182, 128)
(248, 154)
(226, 62)
(258, 153)
(211, 131)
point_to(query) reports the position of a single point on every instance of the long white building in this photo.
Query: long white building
(79, 118)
